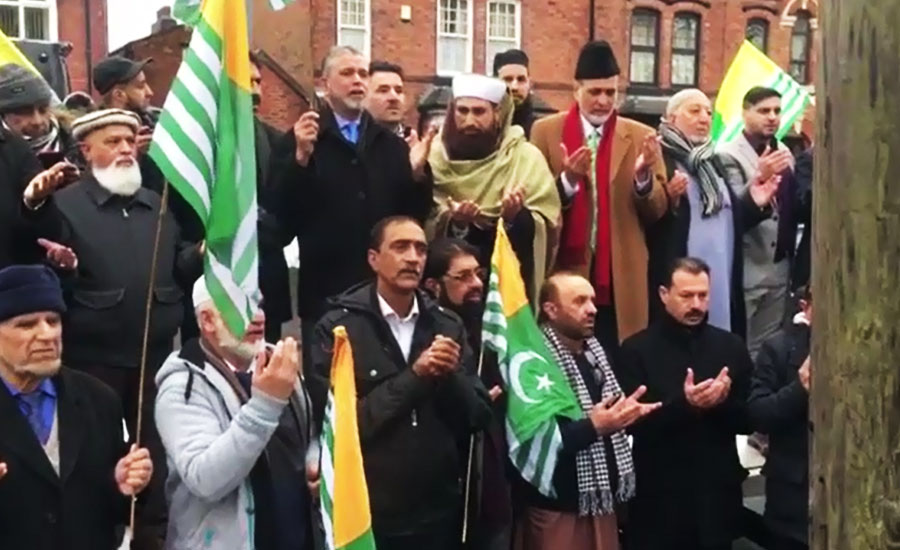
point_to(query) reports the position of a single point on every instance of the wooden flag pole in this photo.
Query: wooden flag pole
(465, 527)
(143, 370)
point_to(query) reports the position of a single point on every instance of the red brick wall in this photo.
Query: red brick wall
(281, 106)
(72, 24)
(552, 33)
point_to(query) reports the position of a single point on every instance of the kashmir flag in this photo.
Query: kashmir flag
(752, 68)
(188, 11)
(344, 494)
(10, 53)
(537, 390)
(204, 145)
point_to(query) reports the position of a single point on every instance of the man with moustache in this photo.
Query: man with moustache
(340, 173)
(770, 246)
(707, 217)
(688, 473)
(105, 232)
(63, 480)
(418, 392)
(594, 473)
(25, 110)
(511, 67)
(235, 422)
(386, 101)
(486, 172)
(611, 178)
(455, 278)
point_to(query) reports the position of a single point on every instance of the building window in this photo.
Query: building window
(454, 44)
(801, 38)
(685, 49)
(503, 23)
(28, 19)
(353, 24)
(758, 33)
(644, 46)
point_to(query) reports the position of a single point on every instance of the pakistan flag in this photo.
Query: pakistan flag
(536, 389)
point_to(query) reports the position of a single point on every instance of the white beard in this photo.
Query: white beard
(119, 180)
(597, 120)
(227, 341)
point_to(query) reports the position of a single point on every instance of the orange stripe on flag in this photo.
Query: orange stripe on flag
(352, 516)
(228, 18)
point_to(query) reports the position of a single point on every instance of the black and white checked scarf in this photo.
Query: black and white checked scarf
(595, 496)
(698, 160)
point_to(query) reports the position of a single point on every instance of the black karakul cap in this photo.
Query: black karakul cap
(596, 60)
(509, 57)
(116, 70)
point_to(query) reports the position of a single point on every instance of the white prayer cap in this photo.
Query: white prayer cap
(201, 295)
(86, 124)
(479, 86)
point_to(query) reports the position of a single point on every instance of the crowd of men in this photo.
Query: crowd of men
(659, 267)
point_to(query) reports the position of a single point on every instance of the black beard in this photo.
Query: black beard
(470, 311)
(461, 146)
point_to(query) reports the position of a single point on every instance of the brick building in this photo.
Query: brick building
(662, 45)
(284, 97)
(82, 23)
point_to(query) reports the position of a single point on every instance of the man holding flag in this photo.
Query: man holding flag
(563, 425)
(418, 395)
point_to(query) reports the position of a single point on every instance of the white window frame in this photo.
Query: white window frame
(367, 28)
(52, 15)
(469, 39)
(489, 63)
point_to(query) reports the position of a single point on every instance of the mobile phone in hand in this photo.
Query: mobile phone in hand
(49, 159)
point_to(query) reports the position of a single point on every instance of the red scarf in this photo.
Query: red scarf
(575, 239)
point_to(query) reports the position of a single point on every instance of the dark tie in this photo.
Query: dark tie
(246, 381)
(31, 405)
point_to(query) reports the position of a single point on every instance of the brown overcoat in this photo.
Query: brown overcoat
(629, 214)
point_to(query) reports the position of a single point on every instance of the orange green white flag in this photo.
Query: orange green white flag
(344, 493)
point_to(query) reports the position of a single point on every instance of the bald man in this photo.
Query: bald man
(706, 218)
(594, 471)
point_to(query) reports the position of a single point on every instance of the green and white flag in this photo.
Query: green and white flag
(536, 388)
(752, 68)
(204, 145)
(188, 11)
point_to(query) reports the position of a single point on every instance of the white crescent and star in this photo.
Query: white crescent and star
(515, 381)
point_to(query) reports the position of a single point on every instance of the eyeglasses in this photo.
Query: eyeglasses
(469, 275)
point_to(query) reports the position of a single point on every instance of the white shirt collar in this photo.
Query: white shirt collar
(588, 128)
(387, 311)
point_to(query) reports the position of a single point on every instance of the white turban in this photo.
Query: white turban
(479, 86)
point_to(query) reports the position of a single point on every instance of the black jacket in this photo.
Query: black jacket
(524, 115)
(332, 204)
(779, 407)
(688, 472)
(80, 508)
(106, 296)
(18, 166)
(410, 427)
(667, 240)
(273, 237)
(803, 172)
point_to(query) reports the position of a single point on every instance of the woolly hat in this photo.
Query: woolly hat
(86, 124)
(20, 87)
(28, 289)
(596, 60)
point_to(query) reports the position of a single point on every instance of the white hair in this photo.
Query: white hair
(676, 101)
(336, 52)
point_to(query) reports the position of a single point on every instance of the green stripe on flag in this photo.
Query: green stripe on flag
(204, 145)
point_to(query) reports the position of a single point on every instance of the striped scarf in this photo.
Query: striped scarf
(595, 495)
(699, 161)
